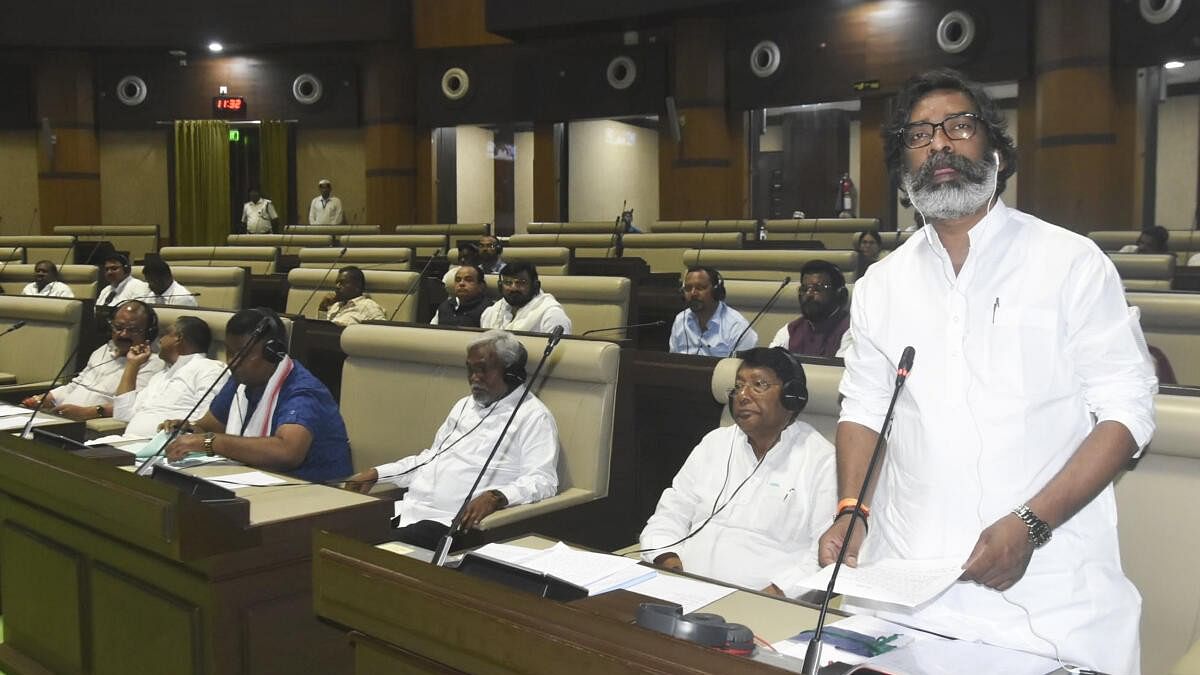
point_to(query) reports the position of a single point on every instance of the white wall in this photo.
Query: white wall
(19, 213)
(336, 154)
(612, 162)
(476, 175)
(1175, 193)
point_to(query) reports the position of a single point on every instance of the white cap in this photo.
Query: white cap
(324, 181)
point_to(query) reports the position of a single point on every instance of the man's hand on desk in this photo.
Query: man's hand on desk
(184, 444)
(170, 425)
(831, 543)
(669, 562)
(1001, 554)
(773, 590)
(481, 507)
(78, 412)
(33, 401)
(362, 481)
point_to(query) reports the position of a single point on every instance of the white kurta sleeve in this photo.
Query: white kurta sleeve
(820, 488)
(868, 373)
(552, 317)
(679, 506)
(782, 338)
(400, 472)
(538, 443)
(124, 405)
(312, 212)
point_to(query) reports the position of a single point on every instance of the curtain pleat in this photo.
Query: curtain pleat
(202, 209)
(273, 166)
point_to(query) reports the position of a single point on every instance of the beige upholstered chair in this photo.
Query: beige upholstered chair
(10, 255)
(770, 265)
(395, 259)
(453, 230)
(138, 240)
(1113, 240)
(257, 259)
(592, 302)
(822, 410)
(388, 288)
(748, 297)
(335, 230)
(664, 252)
(1183, 244)
(605, 227)
(30, 356)
(549, 260)
(746, 227)
(216, 321)
(583, 245)
(578, 385)
(1145, 272)
(219, 287)
(834, 233)
(288, 244)
(889, 241)
(82, 279)
(1171, 322)
(424, 244)
(58, 249)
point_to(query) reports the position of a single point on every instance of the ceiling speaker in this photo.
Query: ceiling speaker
(132, 90)
(622, 72)
(455, 83)
(956, 32)
(1158, 11)
(307, 89)
(765, 59)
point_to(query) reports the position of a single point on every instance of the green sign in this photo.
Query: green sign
(234, 135)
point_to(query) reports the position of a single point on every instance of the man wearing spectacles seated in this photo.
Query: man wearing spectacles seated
(526, 307)
(754, 522)
(89, 395)
(707, 326)
(821, 329)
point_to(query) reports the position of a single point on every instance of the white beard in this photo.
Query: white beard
(950, 201)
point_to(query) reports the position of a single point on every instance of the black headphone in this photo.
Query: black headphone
(714, 278)
(793, 394)
(515, 375)
(151, 320)
(121, 259)
(274, 347)
(835, 277)
(707, 630)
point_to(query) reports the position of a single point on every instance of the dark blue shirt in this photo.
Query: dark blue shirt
(303, 400)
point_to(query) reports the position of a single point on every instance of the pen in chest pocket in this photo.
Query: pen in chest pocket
(995, 306)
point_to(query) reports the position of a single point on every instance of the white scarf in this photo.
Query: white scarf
(527, 317)
(260, 420)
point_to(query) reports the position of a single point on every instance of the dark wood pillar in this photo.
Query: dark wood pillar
(876, 195)
(546, 207)
(68, 159)
(705, 174)
(1078, 127)
(390, 136)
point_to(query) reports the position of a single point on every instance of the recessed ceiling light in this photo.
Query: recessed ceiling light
(215, 47)
(1172, 65)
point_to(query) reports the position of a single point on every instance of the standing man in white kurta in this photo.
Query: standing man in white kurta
(1028, 396)
(325, 209)
(751, 500)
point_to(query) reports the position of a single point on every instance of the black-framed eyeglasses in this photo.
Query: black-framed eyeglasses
(957, 127)
(757, 386)
(815, 288)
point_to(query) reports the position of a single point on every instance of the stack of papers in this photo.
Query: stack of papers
(900, 582)
(691, 594)
(596, 572)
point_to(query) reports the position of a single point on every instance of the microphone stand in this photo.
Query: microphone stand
(769, 305)
(632, 325)
(415, 286)
(15, 326)
(443, 547)
(25, 433)
(812, 657)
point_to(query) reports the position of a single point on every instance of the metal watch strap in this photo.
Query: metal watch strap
(1039, 530)
(208, 443)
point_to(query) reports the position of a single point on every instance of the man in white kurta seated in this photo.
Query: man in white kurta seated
(523, 471)
(164, 290)
(122, 285)
(751, 500)
(172, 392)
(89, 395)
(526, 307)
(45, 282)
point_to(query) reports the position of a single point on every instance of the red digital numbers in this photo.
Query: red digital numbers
(227, 105)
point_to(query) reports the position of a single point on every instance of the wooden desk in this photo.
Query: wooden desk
(106, 572)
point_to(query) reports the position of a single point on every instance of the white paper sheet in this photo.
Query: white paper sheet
(901, 582)
(691, 594)
(8, 410)
(596, 572)
(246, 479)
(17, 422)
(954, 657)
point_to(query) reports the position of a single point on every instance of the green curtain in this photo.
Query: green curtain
(202, 210)
(273, 167)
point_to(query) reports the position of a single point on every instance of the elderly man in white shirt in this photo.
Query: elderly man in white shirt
(325, 209)
(259, 215)
(1028, 395)
(526, 307)
(122, 285)
(751, 500)
(173, 392)
(89, 395)
(45, 282)
(523, 471)
(164, 290)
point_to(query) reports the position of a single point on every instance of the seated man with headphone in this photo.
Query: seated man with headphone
(755, 523)
(523, 471)
(122, 285)
(825, 302)
(272, 414)
(89, 394)
(707, 326)
(526, 306)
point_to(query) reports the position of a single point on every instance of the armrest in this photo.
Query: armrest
(22, 390)
(105, 426)
(562, 500)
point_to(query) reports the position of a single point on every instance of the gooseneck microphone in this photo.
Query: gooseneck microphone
(259, 332)
(25, 433)
(16, 326)
(443, 547)
(812, 658)
(416, 285)
(625, 327)
(323, 280)
(769, 305)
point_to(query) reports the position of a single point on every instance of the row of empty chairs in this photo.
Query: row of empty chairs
(1182, 244)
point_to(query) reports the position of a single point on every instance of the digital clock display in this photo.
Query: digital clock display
(229, 106)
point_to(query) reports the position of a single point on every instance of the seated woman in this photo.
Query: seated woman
(869, 246)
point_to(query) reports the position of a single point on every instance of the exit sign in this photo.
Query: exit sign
(234, 135)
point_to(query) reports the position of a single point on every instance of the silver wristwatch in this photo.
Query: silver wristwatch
(1039, 530)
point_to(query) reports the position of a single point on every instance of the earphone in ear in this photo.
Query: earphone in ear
(515, 375)
(275, 346)
(996, 156)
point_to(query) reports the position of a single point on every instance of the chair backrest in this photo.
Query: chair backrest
(749, 297)
(578, 385)
(605, 227)
(221, 288)
(35, 352)
(452, 230)
(335, 230)
(1184, 244)
(138, 240)
(771, 265)
(395, 259)
(583, 245)
(84, 280)
(1171, 322)
(592, 302)
(258, 259)
(746, 227)
(424, 244)
(889, 241)
(388, 288)
(1145, 271)
(548, 259)
(664, 252)
(822, 410)
(288, 244)
(58, 249)
(216, 320)
(12, 255)
(782, 228)
(1114, 240)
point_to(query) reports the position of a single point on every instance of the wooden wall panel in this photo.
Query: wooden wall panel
(68, 157)
(545, 175)
(18, 109)
(875, 194)
(563, 83)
